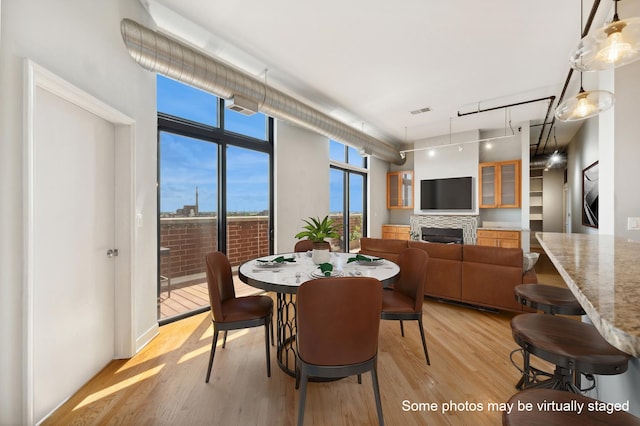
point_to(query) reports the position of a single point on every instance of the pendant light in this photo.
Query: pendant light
(609, 47)
(584, 104)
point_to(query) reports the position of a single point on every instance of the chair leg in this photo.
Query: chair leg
(224, 342)
(266, 345)
(213, 352)
(271, 321)
(424, 341)
(376, 394)
(401, 328)
(303, 395)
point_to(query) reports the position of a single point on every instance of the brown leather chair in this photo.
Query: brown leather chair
(338, 322)
(303, 246)
(230, 312)
(549, 417)
(404, 300)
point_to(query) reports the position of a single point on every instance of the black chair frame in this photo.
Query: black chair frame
(306, 370)
(237, 325)
(409, 316)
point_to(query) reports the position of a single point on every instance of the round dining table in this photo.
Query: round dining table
(284, 278)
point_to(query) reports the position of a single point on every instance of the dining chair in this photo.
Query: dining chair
(404, 300)
(303, 246)
(338, 322)
(229, 312)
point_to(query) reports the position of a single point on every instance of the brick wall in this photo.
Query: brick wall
(189, 239)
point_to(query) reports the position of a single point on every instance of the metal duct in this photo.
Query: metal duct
(543, 162)
(158, 53)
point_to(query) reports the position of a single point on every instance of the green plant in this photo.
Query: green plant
(317, 230)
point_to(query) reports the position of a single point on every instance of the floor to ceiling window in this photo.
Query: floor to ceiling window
(214, 191)
(348, 182)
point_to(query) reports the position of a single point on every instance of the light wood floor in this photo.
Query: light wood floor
(164, 383)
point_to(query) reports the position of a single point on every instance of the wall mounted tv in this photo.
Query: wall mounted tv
(446, 194)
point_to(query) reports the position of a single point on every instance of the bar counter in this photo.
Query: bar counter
(603, 272)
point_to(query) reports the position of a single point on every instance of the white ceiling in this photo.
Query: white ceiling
(369, 63)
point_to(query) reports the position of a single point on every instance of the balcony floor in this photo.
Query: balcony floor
(188, 296)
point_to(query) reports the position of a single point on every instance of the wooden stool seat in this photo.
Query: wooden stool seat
(569, 344)
(548, 299)
(543, 415)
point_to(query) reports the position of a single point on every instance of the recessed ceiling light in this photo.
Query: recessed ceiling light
(420, 111)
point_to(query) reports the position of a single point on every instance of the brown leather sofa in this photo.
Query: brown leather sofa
(477, 275)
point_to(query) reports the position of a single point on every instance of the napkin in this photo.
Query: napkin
(361, 258)
(279, 259)
(326, 269)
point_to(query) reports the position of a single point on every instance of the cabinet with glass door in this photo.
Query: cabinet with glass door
(499, 185)
(400, 189)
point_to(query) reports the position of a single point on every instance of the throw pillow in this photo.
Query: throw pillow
(529, 260)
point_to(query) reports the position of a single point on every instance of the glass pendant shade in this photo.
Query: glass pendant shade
(584, 105)
(609, 47)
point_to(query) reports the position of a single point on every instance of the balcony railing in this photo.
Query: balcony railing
(185, 241)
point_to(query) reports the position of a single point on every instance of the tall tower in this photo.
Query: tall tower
(197, 208)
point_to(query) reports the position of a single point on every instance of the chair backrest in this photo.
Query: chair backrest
(338, 320)
(303, 246)
(413, 273)
(219, 282)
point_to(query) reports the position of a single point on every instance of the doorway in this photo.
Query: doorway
(78, 151)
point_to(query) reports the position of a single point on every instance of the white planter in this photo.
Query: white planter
(321, 256)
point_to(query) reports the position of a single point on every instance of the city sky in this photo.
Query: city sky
(187, 163)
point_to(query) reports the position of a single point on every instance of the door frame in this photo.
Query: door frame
(124, 342)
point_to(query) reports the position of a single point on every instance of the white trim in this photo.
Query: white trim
(147, 336)
(125, 344)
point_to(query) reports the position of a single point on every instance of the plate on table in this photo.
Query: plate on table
(320, 274)
(268, 264)
(376, 262)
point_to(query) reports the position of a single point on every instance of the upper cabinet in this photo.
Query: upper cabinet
(499, 184)
(400, 189)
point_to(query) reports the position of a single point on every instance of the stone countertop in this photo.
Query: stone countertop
(496, 228)
(603, 272)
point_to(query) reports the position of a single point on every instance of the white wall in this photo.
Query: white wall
(377, 198)
(79, 41)
(301, 181)
(553, 199)
(445, 162)
(627, 147)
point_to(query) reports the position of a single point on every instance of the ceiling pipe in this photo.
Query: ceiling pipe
(462, 114)
(159, 53)
(544, 161)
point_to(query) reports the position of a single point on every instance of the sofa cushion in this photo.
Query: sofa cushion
(439, 250)
(386, 248)
(493, 255)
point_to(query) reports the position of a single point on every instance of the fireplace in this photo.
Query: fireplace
(442, 235)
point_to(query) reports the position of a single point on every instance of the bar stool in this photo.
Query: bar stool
(571, 345)
(550, 417)
(550, 300)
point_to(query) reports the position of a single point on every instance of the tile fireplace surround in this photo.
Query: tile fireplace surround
(469, 224)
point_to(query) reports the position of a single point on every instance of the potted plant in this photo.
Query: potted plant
(317, 230)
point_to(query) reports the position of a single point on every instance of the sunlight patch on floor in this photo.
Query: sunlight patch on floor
(119, 386)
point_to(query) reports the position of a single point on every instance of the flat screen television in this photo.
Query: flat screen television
(446, 194)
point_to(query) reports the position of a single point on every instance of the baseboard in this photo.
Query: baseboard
(147, 337)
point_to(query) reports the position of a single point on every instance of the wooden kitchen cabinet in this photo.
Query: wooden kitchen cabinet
(496, 238)
(400, 190)
(396, 232)
(499, 184)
